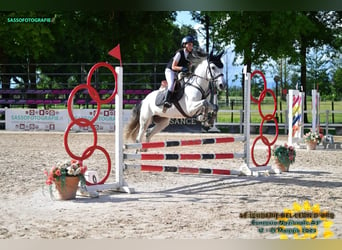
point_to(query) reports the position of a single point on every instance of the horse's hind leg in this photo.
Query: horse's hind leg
(159, 126)
(144, 123)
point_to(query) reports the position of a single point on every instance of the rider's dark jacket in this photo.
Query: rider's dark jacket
(183, 62)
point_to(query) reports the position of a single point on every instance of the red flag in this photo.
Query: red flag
(115, 52)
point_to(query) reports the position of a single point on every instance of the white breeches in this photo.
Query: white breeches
(170, 78)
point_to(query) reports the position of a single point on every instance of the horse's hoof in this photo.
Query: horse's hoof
(200, 118)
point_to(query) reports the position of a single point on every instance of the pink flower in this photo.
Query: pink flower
(58, 172)
(49, 181)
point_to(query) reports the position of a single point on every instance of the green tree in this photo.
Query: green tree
(259, 36)
(337, 84)
(83, 36)
(86, 36)
(23, 43)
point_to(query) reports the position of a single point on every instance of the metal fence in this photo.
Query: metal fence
(136, 76)
(68, 75)
(269, 127)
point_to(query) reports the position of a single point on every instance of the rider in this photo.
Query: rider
(179, 63)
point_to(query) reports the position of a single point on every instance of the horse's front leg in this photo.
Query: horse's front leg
(211, 117)
(201, 108)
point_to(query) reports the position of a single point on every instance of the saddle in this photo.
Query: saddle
(176, 95)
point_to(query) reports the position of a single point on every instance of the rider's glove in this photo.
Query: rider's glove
(184, 69)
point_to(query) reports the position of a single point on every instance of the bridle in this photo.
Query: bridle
(212, 80)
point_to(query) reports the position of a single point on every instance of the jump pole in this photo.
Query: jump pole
(119, 185)
(247, 116)
(315, 109)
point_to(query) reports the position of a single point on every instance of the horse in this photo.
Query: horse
(192, 100)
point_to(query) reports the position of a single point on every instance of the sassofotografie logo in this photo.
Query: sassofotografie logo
(29, 20)
(304, 221)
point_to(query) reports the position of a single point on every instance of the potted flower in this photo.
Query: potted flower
(312, 138)
(283, 156)
(66, 176)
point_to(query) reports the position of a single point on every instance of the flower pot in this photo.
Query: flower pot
(67, 190)
(311, 145)
(281, 166)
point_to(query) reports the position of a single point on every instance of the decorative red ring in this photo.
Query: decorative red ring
(252, 151)
(92, 149)
(277, 130)
(90, 74)
(261, 98)
(66, 145)
(265, 83)
(92, 92)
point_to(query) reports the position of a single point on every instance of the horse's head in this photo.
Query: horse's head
(215, 70)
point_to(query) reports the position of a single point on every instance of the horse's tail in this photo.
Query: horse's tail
(134, 124)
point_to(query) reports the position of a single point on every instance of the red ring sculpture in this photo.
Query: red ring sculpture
(267, 117)
(83, 122)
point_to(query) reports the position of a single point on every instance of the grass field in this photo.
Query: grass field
(268, 107)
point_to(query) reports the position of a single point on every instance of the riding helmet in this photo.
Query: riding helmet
(187, 39)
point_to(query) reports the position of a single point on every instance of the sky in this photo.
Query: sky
(230, 70)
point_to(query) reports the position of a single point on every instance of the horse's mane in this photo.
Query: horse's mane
(196, 57)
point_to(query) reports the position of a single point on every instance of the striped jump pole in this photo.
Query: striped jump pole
(295, 100)
(147, 157)
(194, 142)
(182, 170)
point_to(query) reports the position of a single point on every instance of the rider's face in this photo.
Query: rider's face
(189, 46)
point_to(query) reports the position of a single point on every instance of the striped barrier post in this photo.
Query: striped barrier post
(295, 100)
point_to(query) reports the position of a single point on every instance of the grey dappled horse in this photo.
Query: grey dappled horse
(197, 89)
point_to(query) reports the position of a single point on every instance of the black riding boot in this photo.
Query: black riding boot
(167, 103)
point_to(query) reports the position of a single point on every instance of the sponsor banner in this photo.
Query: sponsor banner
(126, 116)
(58, 120)
(36, 119)
(186, 125)
(105, 121)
